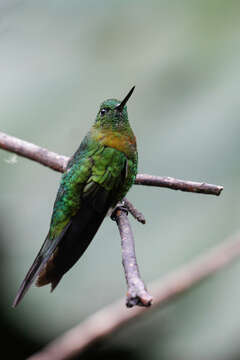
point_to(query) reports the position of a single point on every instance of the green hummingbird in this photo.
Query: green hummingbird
(97, 177)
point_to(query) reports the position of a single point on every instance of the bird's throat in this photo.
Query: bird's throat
(123, 141)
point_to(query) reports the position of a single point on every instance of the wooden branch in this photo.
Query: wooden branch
(113, 317)
(33, 152)
(136, 293)
(133, 211)
(59, 162)
(177, 184)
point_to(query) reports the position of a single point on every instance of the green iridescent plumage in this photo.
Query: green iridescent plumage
(98, 175)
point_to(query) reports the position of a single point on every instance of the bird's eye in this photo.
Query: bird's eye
(103, 111)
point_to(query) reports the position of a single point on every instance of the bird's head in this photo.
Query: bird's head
(113, 113)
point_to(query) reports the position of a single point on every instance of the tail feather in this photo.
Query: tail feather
(29, 279)
(38, 265)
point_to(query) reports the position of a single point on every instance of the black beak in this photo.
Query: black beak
(125, 100)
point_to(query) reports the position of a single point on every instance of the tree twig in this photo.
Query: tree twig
(115, 316)
(137, 293)
(31, 151)
(177, 184)
(59, 162)
(134, 212)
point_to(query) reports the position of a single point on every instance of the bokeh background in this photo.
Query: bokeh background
(58, 61)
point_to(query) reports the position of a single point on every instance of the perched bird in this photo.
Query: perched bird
(99, 175)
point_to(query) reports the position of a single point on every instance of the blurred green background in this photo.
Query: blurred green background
(58, 61)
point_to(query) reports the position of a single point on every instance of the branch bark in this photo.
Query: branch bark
(31, 151)
(177, 184)
(59, 162)
(136, 293)
(113, 317)
(133, 211)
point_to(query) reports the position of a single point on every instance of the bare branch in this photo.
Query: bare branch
(177, 184)
(134, 212)
(59, 162)
(33, 152)
(115, 316)
(136, 294)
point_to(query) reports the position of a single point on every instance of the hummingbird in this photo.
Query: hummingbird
(97, 177)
